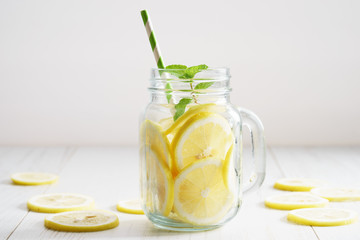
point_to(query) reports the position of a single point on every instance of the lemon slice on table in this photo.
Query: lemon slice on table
(59, 202)
(201, 197)
(82, 221)
(204, 135)
(152, 136)
(338, 194)
(322, 216)
(291, 201)
(33, 178)
(160, 191)
(130, 206)
(298, 184)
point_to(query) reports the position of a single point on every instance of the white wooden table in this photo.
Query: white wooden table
(111, 174)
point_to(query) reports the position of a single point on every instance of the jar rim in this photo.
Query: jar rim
(210, 74)
(208, 69)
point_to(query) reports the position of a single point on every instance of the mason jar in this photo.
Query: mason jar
(191, 151)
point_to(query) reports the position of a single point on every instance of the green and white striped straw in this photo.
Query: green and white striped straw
(150, 32)
(156, 50)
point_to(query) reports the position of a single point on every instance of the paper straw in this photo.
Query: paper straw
(156, 50)
(154, 46)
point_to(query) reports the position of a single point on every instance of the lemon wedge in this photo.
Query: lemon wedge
(291, 201)
(160, 191)
(59, 202)
(298, 184)
(33, 178)
(203, 135)
(322, 216)
(82, 221)
(338, 194)
(130, 206)
(201, 197)
(152, 136)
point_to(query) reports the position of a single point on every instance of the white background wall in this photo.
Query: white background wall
(75, 72)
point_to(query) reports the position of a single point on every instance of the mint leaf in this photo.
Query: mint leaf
(176, 70)
(192, 71)
(203, 85)
(180, 107)
(176, 66)
(183, 72)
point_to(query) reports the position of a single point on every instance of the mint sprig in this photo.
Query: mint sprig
(184, 72)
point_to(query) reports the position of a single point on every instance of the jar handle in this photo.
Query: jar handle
(258, 150)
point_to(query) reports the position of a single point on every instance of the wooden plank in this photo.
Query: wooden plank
(13, 197)
(338, 166)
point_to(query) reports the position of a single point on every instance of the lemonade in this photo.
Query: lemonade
(190, 150)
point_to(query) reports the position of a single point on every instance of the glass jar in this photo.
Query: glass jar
(191, 151)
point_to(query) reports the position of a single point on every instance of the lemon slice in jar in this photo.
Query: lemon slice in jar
(322, 216)
(82, 221)
(59, 202)
(160, 191)
(166, 123)
(298, 184)
(292, 201)
(201, 197)
(204, 135)
(33, 178)
(338, 194)
(152, 136)
(195, 109)
(228, 169)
